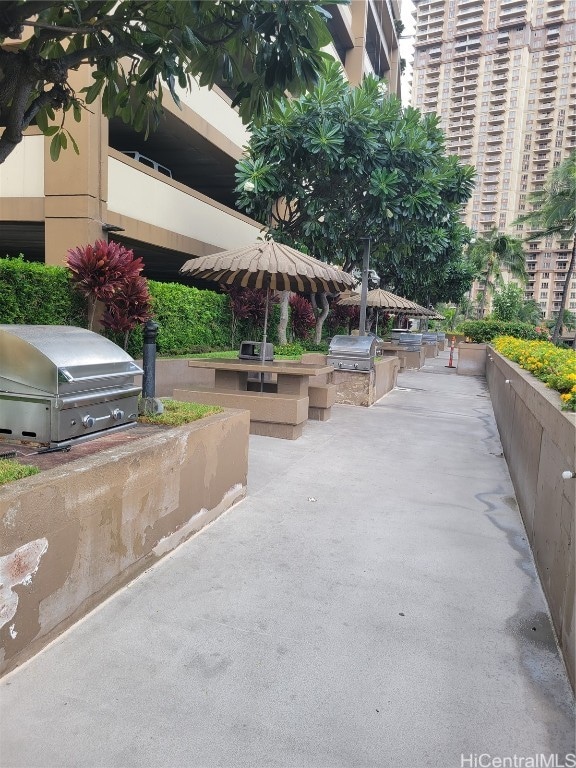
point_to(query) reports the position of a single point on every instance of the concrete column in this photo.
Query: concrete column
(355, 57)
(76, 186)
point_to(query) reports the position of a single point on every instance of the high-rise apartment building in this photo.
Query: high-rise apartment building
(169, 197)
(501, 74)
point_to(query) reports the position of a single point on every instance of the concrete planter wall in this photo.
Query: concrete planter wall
(73, 535)
(539, 442)
(471, 359)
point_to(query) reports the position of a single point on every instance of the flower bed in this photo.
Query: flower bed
(554, 366)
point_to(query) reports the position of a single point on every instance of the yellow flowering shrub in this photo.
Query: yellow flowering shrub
(554, 366)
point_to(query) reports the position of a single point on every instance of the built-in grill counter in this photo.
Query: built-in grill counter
(61, 384)
(352, 353)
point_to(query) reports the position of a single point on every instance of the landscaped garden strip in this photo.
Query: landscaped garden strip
(554, 366)
(177, 413)
(13, 470)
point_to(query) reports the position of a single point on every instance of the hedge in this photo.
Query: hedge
(483, 331)
(190, 320)
(32, 293)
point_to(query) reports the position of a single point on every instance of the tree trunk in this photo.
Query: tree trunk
(321, 317)
(283, 323)
(560, 318)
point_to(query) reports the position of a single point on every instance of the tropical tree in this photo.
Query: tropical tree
(492, 256)
(508, 302)
(136, 48)
(340, 164)
(530, 312)
(555, 214)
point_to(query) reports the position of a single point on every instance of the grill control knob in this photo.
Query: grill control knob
(88, 421)
(117, 414)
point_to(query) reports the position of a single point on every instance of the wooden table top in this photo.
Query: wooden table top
(269, 366)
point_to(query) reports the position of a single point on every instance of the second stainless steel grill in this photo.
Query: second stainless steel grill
(352, 353)
(61, 384)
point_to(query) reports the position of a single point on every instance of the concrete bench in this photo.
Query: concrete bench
(271, 414)
(322, 397)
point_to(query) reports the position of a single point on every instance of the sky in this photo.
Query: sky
(406, 47)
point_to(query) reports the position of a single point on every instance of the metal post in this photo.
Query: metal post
(364, 293)
(149, 359)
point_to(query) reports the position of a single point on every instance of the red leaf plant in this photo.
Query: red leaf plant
(101, 270)
(302, 318)
(130, 307)
(248, 303)
(342, 315)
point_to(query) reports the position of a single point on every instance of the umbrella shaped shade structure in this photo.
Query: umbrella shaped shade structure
(388, 301)
(269, 265)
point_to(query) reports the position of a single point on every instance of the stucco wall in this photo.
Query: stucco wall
(471, 359)
(74, 534)
(539, 442)
(175, 373)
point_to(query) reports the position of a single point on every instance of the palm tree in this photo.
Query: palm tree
(555, 214)
(491, 256)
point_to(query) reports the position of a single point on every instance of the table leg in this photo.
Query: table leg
(293, 385)
(233, 380)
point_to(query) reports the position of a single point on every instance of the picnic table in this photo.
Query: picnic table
(300, 391)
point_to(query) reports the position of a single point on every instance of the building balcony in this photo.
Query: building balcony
(514, 16)
(548, 86)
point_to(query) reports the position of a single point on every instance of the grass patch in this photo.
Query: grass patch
(12, 470)
(177, 413)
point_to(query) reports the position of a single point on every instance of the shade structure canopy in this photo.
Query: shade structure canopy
(269, 265)
(389, 301)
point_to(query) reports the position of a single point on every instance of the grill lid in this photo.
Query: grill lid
(58, 359)
(353, 346)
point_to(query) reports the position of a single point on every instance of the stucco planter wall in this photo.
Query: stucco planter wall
(471, 359)
(539, 442)
(74, 534)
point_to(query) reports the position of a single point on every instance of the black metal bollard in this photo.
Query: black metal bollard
(149, 360)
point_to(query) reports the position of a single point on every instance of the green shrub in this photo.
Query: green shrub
(32, 293)
(312, 346)
(483, 331)
(295, 349)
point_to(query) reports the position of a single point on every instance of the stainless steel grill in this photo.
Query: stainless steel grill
(352, 353)
(61, 384)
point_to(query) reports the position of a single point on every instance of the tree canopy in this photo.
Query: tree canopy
(493, 254)
(341, 163)
(555, 214)
(256, 48)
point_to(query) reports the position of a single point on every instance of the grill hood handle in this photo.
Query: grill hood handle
(116, 375)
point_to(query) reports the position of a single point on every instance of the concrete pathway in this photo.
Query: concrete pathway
(373, 602)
